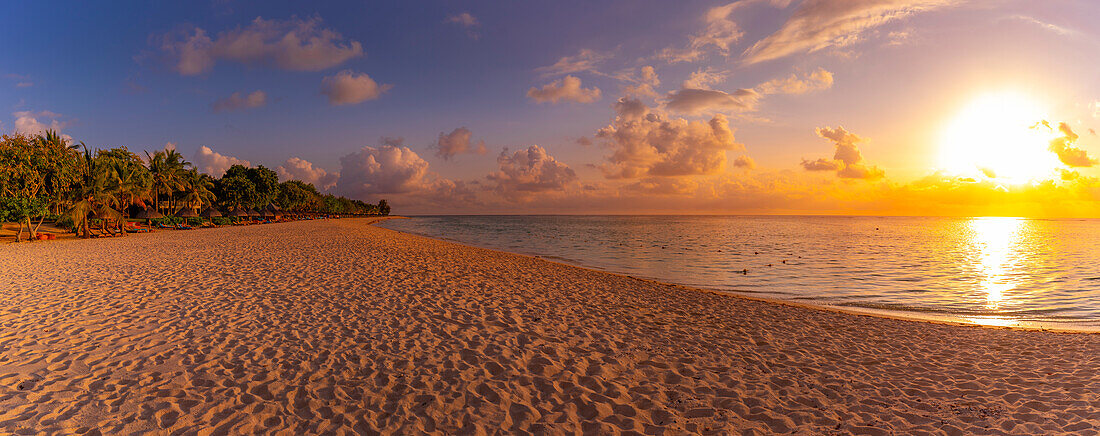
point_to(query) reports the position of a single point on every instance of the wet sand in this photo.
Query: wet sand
(342, 327)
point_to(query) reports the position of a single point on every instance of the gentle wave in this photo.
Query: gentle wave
(1003, 268)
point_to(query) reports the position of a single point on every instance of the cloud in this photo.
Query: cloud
(644, 143)
(643, 84)
(719, 33)
(214, 163)
(301, 169)
(294, 44)
(457, 142)
(744, 162)
(564, 89)
(394, 141)
(24, 84)
(529, 171)
(386, 169)
(469, 22)
(36, 123)
(820, 24)
(348, 87)
(847, 160)
(703, 78)
(465, 19)
(1064, 147)
(585, 60)
(1061, 30)
(697, 101)
(818, 80)
(235, 102)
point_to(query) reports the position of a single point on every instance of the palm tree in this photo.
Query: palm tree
(167, 168)
(95, 192)
(197, 190)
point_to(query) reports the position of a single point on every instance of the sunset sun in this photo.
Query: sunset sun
(996, 136)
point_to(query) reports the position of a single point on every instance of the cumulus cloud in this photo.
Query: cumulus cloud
(386, 169)
(847, 160)
(236, 102)
(585, 60)
(295, 44)
(744, 162)
(214, 163)
(820, 24)
(303, 170)
(457, 142)
(697, 101)
(567, 88)
(529, 171)
(818, 80)
(348, 87)
(644, 143)
(36, 123)
(1065, 147)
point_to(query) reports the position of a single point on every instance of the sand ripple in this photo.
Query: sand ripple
(338, 327)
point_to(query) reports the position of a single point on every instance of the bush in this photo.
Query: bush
(224, 220)
(195, 221)
(65, 222)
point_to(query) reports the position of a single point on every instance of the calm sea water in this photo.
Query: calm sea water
(997, 271)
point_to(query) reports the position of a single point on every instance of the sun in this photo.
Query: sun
(996, 137)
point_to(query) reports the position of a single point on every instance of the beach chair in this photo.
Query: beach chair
(163, 226)
(183, 227)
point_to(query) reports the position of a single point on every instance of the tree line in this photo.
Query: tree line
(46, 177)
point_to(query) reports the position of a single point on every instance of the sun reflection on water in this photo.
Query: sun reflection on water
(996, 238)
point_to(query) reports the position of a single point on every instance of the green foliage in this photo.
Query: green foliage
(383, 207)
(43, 176)
(223, 220)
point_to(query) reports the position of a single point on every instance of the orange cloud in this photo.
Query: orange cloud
(847, 160)
(564, 89)
(820, 24)
(645, 143)
(457, 142)
(1064, 147)
(349, 87)
(528, 172)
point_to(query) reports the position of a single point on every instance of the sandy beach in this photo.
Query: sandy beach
(341, 327)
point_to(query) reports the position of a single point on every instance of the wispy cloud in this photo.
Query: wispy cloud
(820, 24)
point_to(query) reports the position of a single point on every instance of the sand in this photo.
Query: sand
(340, 327)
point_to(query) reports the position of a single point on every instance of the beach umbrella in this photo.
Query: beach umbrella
(148, 214)
(187, 213)
(267, 214)
(239, 213)
(253, 213)
(272, 207)
(210, 213)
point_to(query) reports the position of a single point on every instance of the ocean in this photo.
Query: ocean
(991, 271)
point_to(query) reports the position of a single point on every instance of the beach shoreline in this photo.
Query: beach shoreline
(341, 326)
(953, 320)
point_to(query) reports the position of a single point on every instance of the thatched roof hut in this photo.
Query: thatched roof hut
(148, 214)
(210, 212)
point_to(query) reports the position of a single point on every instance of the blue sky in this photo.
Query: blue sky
(898, 70)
